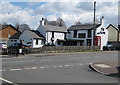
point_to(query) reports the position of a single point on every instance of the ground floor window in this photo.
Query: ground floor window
(81, 43)
(36, 41)
(89, 42)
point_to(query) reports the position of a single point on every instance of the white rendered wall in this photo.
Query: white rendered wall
(104, 37)
(38, 45)
(56, 36)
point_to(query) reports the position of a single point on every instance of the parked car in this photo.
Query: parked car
(3, 45)
(113, 46)
(13, 49)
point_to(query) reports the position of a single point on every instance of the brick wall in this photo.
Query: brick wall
(5, 32)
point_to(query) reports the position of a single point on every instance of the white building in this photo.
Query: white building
(82, 35)
(52, 33)
(34, 38)
(14, 39)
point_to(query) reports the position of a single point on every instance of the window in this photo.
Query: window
(81, 35)
(89, 42)
(15, 40)
(52, 34)
(102, 29)
(75, 34)
(42, 42)
(89, 33)
(36, 41)
(11, 40)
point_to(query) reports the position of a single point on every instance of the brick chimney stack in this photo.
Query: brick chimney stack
(18, 27)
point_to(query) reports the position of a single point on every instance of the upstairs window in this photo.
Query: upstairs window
(81, 35)
(75, 34)
(89, 33)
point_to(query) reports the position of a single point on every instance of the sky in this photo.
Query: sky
(32, 12)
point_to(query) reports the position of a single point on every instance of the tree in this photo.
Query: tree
(78, 23)
(61, 22)
(24, 27)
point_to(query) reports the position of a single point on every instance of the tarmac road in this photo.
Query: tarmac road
(70, 68)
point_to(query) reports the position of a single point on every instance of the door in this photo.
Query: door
(97, 41)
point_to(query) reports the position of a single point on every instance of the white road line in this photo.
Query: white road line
(42, 67)
(60, 66)
(27, 68)
(54, 66)
(6, 80)
(67, 65)
(34, 68)
(15, 69)
(2, 70)
(19, 61)
(80, 64)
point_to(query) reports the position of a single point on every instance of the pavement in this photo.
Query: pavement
(109, 68)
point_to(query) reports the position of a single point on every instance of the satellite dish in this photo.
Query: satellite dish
(9, 35)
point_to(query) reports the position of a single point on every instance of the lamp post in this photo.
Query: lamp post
(94, 23)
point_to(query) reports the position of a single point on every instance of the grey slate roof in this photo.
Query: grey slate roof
(38, 33)
(55, 28)
(16, 36)
(34, 34)
(82, 27)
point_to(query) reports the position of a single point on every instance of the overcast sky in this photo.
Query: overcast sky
(31, 12)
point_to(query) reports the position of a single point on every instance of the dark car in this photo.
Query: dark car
(14, 48)
(113, 46)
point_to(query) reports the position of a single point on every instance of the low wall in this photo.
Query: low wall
(55, 49)
(62, 48)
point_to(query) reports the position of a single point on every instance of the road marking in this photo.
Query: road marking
(80, 64)
(27, 68)
(102, 65)
(42, 67)
(54, 66)
(19, 61)
(6, 80)
(34, 68)
(60, 66)
(2, 70)
(15, 69)
(67, 65)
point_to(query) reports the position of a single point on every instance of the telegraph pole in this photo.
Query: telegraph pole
(94, 22)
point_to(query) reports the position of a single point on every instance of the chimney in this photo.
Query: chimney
(102, 21)
(42, 22)
(18, 27)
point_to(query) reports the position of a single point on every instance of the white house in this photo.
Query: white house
(34, 38)
(101, 35)
(14, 39)
(82, 35)
(52, 33)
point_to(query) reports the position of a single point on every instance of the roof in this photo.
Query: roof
(83, 27)
(38, 33)
(114, 26)
(55, 28)
(5, 26)
(16, 36)
(35, 34)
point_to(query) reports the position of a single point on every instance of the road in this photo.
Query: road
(71, 68)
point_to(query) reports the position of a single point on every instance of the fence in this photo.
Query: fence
(62, 49)
(55, 49)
